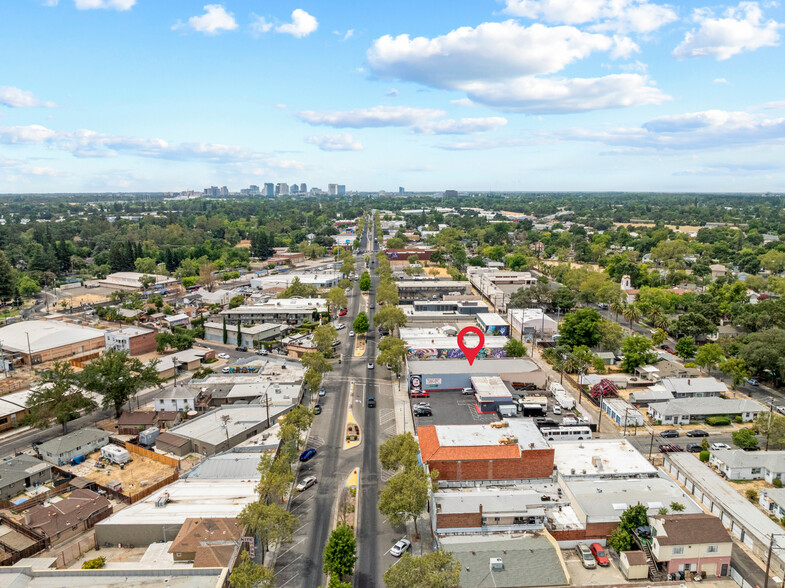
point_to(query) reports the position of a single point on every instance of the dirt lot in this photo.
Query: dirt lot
(137, 475)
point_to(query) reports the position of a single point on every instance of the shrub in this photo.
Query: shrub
(718, 421)
(777, 483)
(690, 364)
(752, 495)
(703, 456)
(737, 419)
(94, 564)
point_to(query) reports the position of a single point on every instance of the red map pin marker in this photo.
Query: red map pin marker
(471, 352)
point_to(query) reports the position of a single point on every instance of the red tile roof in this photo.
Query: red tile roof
(431, 450)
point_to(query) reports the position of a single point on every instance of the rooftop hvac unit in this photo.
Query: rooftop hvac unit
(162, 500)
(496, 564)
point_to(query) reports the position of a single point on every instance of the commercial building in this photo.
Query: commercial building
(600, 458)
(491, 323)
(442, 343)
(532, 321)
(214, 331)
(134, 340)
(737, 464)
(225, 427)
(411, 290)
(20, 472)
(444, 374)
(490, 393)
(269, 190)
(290, 311)
(496, 286)
(690, 543)
(34, 342)
(28, 574)
(133, 281)
(684, 410)
(622, 413)
(401, 256)
(744, 520)
(514, 451)
(61, 450)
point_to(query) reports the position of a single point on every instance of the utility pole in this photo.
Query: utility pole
(768, 429)
(768, 562)
(651, 444)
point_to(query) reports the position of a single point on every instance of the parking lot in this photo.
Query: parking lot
(602, 576)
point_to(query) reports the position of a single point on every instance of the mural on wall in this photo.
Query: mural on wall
(500, 330)
(484, 353)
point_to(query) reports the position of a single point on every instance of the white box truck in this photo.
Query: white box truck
(561, 396)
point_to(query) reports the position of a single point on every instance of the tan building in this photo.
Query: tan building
(35, 342)
(207, 542)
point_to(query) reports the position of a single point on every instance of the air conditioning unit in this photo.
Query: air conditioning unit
(496, 564)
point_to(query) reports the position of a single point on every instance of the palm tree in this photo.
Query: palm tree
(617, 308)
(661, 322)
(632, 313)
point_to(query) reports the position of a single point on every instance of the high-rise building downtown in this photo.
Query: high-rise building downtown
(282, 189)
(269, 190)
(303, 188)
(332, 189)
(341, 190)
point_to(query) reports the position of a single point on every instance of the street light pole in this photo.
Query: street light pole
(768, 428)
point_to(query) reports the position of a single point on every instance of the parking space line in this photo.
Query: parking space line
(289, 580)
(304, 502)
(288, 550)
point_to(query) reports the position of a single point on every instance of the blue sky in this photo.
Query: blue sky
(134, 95)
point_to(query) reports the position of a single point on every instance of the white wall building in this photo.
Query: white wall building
(532, 320)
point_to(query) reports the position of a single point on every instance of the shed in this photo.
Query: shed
(175, 444)
(634, 565)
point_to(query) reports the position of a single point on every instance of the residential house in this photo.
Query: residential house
(177, 398)
(20, 472)
(737, 464)
(72, 515)
(130, 423)
(11, 412)
(694, 387)
(691, 543)
(772, 500)
(207, 542)
(61, 450)
(683, 410)
(718, 270)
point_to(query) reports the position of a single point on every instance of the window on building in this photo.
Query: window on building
(756, 470)
(677, 550)
(712, 548)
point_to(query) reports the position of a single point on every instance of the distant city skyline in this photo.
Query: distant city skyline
(483, 95)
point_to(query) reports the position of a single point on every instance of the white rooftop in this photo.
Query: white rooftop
(44, 335)
(447, 342)
(479, 435)
(490, 387)
(209, 427)
(600, 457)
(282, 304)
(499, 500)
(693, 385)
(491, 318)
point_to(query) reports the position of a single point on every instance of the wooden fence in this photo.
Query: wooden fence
(164, 459)
(74, 551)
(157, 486)
(35, 501)
(40, 541)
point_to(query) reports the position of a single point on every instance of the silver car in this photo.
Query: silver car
(400, 548)
(586, 556)
(306, 483)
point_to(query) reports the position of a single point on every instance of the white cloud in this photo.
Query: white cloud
(720, 81)
(391, 93)
(739, 29)
(259, 25)
(503, 65)
(376, 116)
(339, 142)
(50, 3)
(302, 25)
(484, 144)
(464, 126)
(636, 16)
(214, 20)
(101, 4)
(778, 105)
(16, 98)
(563, 95)
(348, 35)
(87, 143)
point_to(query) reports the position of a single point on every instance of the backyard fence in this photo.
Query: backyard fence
(164, 459)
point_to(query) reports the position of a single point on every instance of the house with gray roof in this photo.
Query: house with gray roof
(694, 387)
(737, 464)
(20, 472)
(683, 410)
(647, 396)
(62, 450)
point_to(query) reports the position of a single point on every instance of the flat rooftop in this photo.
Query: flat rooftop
(227, 466)
(477, 435)
(490, 387)
(210, 428)
(44, 335)
(480, 367)
(600, 457)
(499, 500)
(491, 318)
(130, 331)
(447, 342)
(27, 577)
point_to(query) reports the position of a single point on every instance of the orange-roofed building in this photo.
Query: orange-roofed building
(515, 451)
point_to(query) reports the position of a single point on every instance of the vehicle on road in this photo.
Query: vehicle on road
(420, 394)
(306, 483)
(602, 305)
(322, 391)
(340, 327)
(556, 409)
(586, 556)
(697, 433)
(343, 312)
(467, 391)
(753, 382)
(351, 333)
(370, 365)
(694, 447)
(261, 352)
(226, 369)
(317, 409)
(421, 411)
(664, 346)
(670, 448)
(669, 433)
(241, 348)
(719, 446)
(400, 548)
(307, 454)
(599, 554)
(780, 409)
(371, 402)
(223, 356)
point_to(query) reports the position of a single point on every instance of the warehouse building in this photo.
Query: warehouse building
(444, 374)
(133, 281)
(35, 342)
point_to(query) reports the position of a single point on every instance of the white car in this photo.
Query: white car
(719, 446)
(340, 327)
(223, 356)
(370, 365)
(556, 409)
(400, 548)
(305, 483)
(226, 370)
(351, 333)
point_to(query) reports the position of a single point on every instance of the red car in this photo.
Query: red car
(599, 554)
(420, 394)
(343, 312)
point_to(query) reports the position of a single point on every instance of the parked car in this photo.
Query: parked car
(307, 454)
(753, 382)
(343, 312)
(669, 433)
(467, 391)
(371, 402)
(322, 391)
(599, 554)
(719, 446)
(643, 531)
(226, 369)
(372, 305)
(556, 409)
(242, 348)
(694, 447)
(586, 556)
(351, 333)
(317, 409)
(664, 346)
(261, 352)
(422, 411)
(420, 394)
(223, 356)
(340, 327)
(305, 483)
(602, 305)
(670, 448)
(400, 548)
(697, 433)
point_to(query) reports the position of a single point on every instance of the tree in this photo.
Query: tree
(763, 353)
(145, 265)
(405, 496)
(118, 377)
(57, 398)
(27, 286)
(694, 324)
(399, 451)
(433, 570)
(315, 361)
(564, 299)
(685, 347)
(297, 288)
(206, 277)
(323, 338)
(156, 300)
(361, 323)
(239, 334)
(392, 352)
(632, 313)
(336, 298)
(387, 293)
(775, 435)
(580, 328)
(313, 380)
(248, 574)
(225, 332)
(773, 261)
(365, 281)
(514, 348)
(236, 301)
(389, 317)
(276, 478)
(340, 553)
(637, 351)
(268, 522)
(7, 281)
(736, 369)
(632, 518)
(745, 438)
(658, 336)
(709, 356)
(611, 335)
